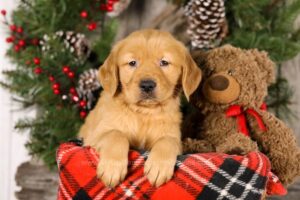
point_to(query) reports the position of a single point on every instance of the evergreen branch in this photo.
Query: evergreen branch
(288, 14)
(275, 4)
(25, 2)
(5, 85)
(24, 125)
(25, 103)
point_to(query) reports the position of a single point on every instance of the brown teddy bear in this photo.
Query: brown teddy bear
(233, 117)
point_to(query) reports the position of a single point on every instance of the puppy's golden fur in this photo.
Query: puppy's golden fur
(125, 116)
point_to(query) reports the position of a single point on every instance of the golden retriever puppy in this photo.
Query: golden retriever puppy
(139, 106)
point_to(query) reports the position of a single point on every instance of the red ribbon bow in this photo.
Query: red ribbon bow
(240, 114)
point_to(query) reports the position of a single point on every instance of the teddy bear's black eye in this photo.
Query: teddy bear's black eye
(230, 72)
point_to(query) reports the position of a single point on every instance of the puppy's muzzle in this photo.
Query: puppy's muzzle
(147, 86)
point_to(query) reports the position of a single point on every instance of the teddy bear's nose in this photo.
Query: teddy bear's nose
(219, 83)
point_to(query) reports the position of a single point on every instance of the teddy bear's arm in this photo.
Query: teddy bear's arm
(191, 126)
(280, 145)
(190, 145)
(223, 134)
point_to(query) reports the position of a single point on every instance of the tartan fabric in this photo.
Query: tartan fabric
(197, 176)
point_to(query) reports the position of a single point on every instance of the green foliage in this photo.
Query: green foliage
(44, 16)
(279, 98)
(54, 124)
(267, 25)
(102, 45)
(264, 25)
(57, 120)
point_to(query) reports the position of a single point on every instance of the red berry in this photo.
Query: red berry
(103, 7)
(83, 114)
(109, 8)
(38, 70)
(55, 86)
(84, 14)
(3, 12)
(20, 30)
(92, 26)
(75, 98)
(17, 48)
(73, 91)
(13, 27)
(82, 103)
(10, 39)
(36, 61)
(22, 43)
(51, 78)
(56, 91)
(35, 41)
(66, 69)
(71, 74)
(111, 2)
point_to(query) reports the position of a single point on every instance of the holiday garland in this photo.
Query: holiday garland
(57, 47)
(56, 61)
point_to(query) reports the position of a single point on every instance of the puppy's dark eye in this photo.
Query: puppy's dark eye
(163, 63)
(132, 63)
(230, 72)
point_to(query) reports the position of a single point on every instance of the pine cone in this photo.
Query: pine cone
(206, 23)
(77, 43)
(74, 42)
(89, 87)
(88, 81)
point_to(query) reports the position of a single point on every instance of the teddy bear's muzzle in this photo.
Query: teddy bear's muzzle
(219, 83)
(221, 88)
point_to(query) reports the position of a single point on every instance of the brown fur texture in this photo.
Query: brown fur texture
(127, 116)
(253, 71)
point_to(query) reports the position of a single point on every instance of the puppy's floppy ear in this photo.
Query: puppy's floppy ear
(191, 75)
(108, 74)
(266, 65)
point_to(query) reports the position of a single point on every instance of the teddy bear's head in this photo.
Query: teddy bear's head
(232, 76)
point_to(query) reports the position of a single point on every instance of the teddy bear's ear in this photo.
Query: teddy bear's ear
(228, 46)
(266, 65)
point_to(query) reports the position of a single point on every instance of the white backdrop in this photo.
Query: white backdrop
(12, 149)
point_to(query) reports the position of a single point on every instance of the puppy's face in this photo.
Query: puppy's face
(149, 67)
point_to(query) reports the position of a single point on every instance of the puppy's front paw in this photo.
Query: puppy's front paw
(158, 169)
(111, 171)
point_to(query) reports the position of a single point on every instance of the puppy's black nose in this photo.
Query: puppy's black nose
(147, 85)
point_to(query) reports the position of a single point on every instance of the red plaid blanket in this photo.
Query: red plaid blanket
(197, 176)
